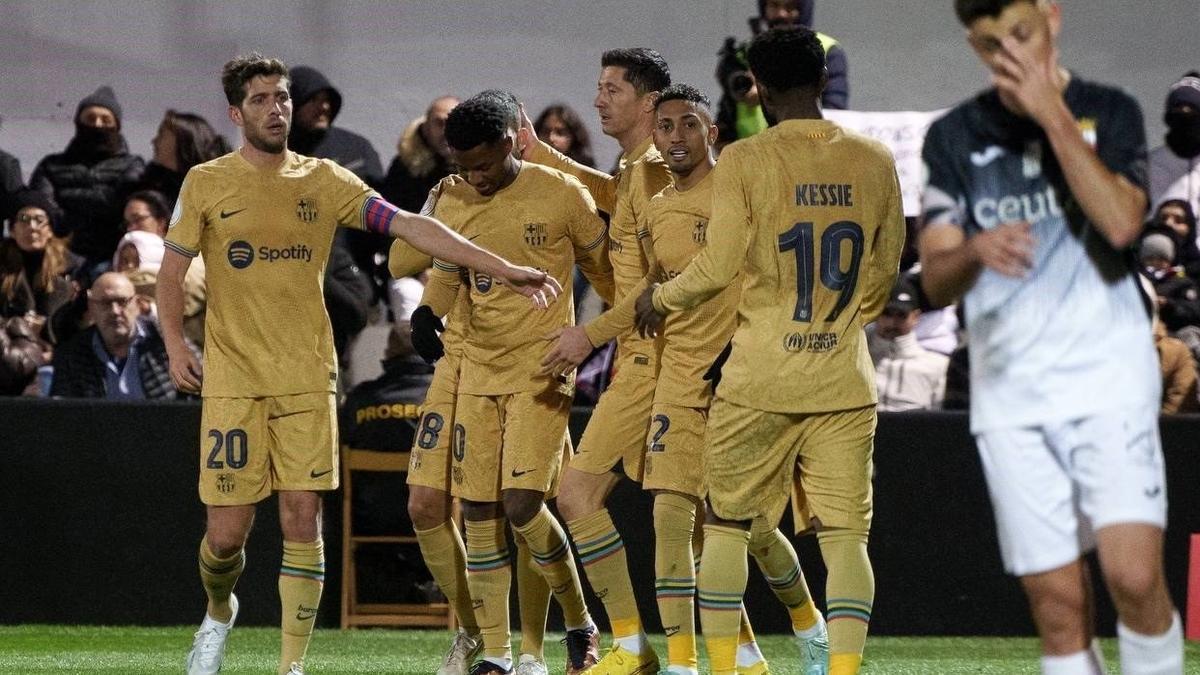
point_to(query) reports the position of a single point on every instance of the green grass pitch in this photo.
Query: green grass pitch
(32, 650)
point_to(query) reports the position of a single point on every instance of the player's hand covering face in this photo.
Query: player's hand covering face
(534, 284)
(649, 321)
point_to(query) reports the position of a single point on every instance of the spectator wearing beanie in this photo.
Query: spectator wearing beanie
(90, 180)
(35, 265)
(1177, 296)
(1175, 166)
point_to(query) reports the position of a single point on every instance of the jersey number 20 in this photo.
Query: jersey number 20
(828, 260)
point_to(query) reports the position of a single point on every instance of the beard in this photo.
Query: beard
(266, 145)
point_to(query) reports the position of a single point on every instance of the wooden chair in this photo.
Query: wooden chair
(355, 613)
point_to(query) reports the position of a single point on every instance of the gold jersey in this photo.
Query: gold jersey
(626, 197)
(265, 235)
(810, 214)
(692, 339)
(544, 219)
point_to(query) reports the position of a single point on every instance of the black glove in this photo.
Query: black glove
(425, 328)
(713, 374)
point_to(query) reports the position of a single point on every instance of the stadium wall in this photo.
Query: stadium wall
(100, 521)
(391, 58)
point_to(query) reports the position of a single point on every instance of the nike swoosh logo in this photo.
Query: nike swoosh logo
(518, 474)
(316, 474)
(227, 214)
(303, 616)
(990, 154)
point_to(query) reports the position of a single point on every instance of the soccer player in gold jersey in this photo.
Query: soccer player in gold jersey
(629, 82)
(429, 475)
(692, 341)
(810, 216)
(264, 218)
(510, 419)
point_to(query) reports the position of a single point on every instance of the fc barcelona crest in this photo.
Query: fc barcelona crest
(700, 231)
(306, 210)
(535, 234)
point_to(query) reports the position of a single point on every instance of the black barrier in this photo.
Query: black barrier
(100, 522)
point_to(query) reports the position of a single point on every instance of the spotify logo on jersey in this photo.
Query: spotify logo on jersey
(241, 254)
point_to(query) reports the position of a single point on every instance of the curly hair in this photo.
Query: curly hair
(242, 69)
(507, 100)
(476, 121)
(787, 58)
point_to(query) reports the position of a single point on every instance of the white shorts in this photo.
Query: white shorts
(1053, 486)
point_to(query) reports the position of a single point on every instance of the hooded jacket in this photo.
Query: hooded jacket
(415, 170)
(347, 148)
(89, 184)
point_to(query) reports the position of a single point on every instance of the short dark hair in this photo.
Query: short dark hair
(684, 92)
(476, 121)
(507, 100)
(645, 68)
(787, 58)
(154, 200)
(970, 10)
(242, 69)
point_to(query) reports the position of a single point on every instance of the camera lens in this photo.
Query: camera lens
(740, 83)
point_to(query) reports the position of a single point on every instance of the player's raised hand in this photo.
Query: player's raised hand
(571, 347)
(1006, 248)
(186, 372)
(534, 284)
(649, 321)
(526, 135)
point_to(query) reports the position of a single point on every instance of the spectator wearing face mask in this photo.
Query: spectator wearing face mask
(1175, 166)
(90, 179)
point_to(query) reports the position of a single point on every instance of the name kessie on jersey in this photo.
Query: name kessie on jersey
(825, 194)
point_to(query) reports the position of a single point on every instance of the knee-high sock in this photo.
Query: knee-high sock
(219, 576)
(1151, 654)
(550, 550)
(489, 576)
(850, 592)
(777, 559)
(533, 598)
(675, 582)
(301, 579)
(446, 557)
(602, 553)
(722, 582)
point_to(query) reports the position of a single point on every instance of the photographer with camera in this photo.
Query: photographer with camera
(739, 113)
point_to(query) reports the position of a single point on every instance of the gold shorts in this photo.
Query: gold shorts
(675, 450)
(757, 460)
(250, 447)
(511, 441)
(429, 463)
(617, 429)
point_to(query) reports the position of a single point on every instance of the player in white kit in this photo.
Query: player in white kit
(1035, 189)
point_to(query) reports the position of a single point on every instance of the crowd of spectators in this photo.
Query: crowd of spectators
(83, 242)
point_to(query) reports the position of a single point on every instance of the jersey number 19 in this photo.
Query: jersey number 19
(842, 281)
